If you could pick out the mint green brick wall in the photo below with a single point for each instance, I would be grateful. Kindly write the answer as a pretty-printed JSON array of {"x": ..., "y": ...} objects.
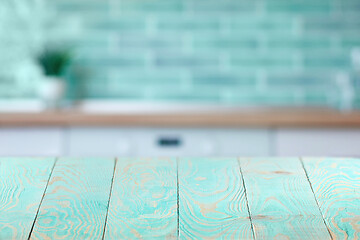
[{"x": 270, "y": 52}]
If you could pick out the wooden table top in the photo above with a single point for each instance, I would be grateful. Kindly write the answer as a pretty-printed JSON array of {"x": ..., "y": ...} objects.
[{"x": 186, "y": 198}]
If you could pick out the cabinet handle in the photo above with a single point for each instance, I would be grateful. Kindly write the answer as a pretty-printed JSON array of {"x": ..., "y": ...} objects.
[{"x": 169, "y": 142}]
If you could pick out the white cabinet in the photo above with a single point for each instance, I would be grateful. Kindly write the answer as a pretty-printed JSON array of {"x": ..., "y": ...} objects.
[
  {"x": 177, "y": 142},
  {"x": 34, "y": 142},
  {"x": 317, "y": 142},
  {"x": 163, "y": 142}
]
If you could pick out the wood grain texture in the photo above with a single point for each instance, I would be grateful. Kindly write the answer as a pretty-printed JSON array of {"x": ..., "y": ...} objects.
[
  {"x": 76, "y": 201},
  {"x": 143, "y": 202},
  {"x": 281, "y": 203},
  {"x": 22, "y": 185},
  {"x": 336, "y": 185},
  {"x": 212, "y": 202}
]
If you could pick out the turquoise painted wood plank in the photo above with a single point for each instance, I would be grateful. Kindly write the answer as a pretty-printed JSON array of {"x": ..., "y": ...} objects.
[
  {"x": 336, "y": 185},
  {"x": 22, "y": 185},
  {"x": 143, "y": 202},
  {"x": 281, "y": 202},
  {"x": 212, "y": 200},
  {"x": 76, "y": 200}
]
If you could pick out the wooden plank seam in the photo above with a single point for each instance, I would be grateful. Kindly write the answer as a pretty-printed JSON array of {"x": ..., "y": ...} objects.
[
  {"x": 178, "y": 198},
  {"x": 316, "y": 200},
  {"x": 42, "y": 198},
  {"x": 246, "y": 198},
  {"x": 108, "y": 205}
]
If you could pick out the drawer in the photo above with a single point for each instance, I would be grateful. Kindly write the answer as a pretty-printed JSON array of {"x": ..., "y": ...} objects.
[
  {"x": 203, "y": 142},
  {"x": 175, "y": 143},
  {"x": 318, "y": 142},
  {"x": 167, "y": 142},
  {"x": 31, "y": 141}
]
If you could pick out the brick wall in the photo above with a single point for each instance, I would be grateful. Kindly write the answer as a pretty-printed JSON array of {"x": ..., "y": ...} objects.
[{"x": 272, "y": 52}]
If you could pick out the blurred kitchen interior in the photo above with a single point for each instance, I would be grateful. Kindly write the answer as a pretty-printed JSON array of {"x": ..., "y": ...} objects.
[{"x": 179, "y": 78}]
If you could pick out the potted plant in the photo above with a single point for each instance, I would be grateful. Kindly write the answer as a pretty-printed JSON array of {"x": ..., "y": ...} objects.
[{"x": 53, "y": 63}]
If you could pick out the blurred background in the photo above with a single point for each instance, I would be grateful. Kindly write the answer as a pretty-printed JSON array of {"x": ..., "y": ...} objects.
[{"x": 77, "y": 55}]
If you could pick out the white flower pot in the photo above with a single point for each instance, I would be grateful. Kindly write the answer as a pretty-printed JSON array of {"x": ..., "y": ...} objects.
[{"x": 52, "y": 91}]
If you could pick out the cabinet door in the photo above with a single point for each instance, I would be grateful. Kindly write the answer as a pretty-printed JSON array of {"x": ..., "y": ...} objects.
[
  {"x": 99, "y": 142},
  {"x": 318, "y": 142},
  {"x": 21, "y": 141},
  {"x": 243, "y": 142}
]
